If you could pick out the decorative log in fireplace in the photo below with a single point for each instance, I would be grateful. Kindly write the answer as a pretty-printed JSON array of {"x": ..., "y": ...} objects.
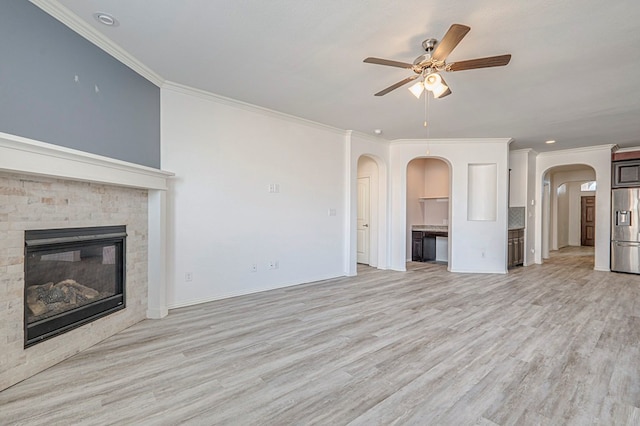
[{"x": 72, "y": 276}]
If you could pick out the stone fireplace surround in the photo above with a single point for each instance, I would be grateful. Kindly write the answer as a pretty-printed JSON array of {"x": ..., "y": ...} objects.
[{"x": 47, "y": 186}]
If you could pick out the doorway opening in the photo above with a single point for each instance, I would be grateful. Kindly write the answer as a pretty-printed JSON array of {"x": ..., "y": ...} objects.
[
  {"x": 367, "y": 217},
  {"x": 569, "y": 207},
  {"x": 428, "y": 211}
]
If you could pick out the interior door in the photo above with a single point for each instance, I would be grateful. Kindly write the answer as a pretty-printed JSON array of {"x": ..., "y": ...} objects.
[
  {"x": 588, "y": 220},
  {"x": 363, "y": 220}
]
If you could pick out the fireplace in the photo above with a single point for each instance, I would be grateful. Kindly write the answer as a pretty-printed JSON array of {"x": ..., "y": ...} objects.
[{"x": 72, "y": 276}]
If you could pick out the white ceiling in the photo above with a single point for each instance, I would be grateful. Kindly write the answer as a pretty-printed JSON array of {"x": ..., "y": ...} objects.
[{"x": 573, "y": 76}]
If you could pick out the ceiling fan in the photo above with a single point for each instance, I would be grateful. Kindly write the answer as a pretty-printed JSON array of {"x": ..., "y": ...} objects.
[{"x": 429, "y": 64}]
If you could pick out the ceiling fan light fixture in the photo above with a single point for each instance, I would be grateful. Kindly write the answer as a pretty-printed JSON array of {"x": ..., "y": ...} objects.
[
  {"x": 417, "y": 89},
  {"x": 441, "y": 92},
  {"x": 433, "y": 83},
  {"x": 432, "y": 80}
]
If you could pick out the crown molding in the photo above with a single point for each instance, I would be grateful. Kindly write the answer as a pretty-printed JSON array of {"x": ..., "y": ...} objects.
[
  {"x": 606, "y": 147},
  {"x": 73, "y": 21},
  {"x": 203, "y": 94},
  {"x": 523, "y": 151},
  {"x": 628, "y": 149},
  {"x": 367, "y": 137},
  {"x": 505, "y": 141}
]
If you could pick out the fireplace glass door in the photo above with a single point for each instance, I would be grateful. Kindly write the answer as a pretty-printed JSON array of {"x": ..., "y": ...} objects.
[{"x": 72, "y": 276}]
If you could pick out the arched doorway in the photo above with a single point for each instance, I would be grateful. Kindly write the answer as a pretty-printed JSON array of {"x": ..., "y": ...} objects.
[
  {"x": 367, "y": 211},
  {"x": 597, "y": 158},
  {"x": 569, "y": 219},
  {"x": 428, "y": 210}
]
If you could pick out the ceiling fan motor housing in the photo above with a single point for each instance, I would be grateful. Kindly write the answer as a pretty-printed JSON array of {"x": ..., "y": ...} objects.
[{"x": 429, "y": 44}]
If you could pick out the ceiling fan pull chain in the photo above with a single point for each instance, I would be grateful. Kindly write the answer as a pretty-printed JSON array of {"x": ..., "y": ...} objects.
[
  {"x": 426, "y": 115},
  {"x": 426, "y": 111}
]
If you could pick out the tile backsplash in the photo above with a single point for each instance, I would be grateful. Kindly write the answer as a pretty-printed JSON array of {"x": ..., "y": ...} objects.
[{"x": 516, "y": 217}]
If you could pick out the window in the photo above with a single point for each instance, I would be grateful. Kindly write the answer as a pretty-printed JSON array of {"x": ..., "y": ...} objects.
[{"x": 588, "y": 186}]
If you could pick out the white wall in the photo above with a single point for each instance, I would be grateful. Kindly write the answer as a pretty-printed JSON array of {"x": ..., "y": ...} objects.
[
  {"x": 474, "y": 246},
  {"x": 436, "y": 211},
  {"x": 599, "y": 159},
  {"x": 222, "y": 219},
  {"x": 518, "y": 175},
  {"x": 436, "y": 178},
  {"x": 562, "y": 221}
]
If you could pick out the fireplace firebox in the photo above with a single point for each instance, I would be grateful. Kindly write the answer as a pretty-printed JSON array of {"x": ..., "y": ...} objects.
[{"x": 72, "y": 276}]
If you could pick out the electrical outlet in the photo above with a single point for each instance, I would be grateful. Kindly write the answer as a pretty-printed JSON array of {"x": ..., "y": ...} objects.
[
  {"x": 273, "y": 264},
  {"x": 253, "y": 268},
  {"x": 274, "y": 188},
  {"x": 188, "y": 276}
]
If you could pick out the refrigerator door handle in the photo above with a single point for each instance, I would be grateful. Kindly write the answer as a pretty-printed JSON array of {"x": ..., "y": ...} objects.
[{"x": 626, "y": 244}]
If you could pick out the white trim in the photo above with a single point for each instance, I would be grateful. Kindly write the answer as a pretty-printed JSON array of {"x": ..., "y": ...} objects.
[
  {"x": 576, "y": 150},
  {"x": 23, "y": 155},
  {"x": 523, "y": 151},
  {"x": 369, "y": 138},
  {"x": 488, "y": 271},
  {"x": 244, "y": 293},
  {"x": 630, "y": 149},
  {"x": 73, "y": 21},
  {"x": 449, "y": 141},
  {"x": 203, "y": 94},
  {"x": 157, "y": 255}
]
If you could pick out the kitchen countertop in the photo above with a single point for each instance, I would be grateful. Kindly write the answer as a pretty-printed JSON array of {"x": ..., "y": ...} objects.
[
  {"x": 445, "y": 228},
  {"x": 430, "y": 228}
]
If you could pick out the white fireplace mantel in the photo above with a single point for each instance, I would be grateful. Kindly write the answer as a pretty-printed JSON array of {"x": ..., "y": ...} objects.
[{"x": 27, "y": 156}]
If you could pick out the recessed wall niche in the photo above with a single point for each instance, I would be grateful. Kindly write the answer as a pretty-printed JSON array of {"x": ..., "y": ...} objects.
[{"x": 482, "y": 195}]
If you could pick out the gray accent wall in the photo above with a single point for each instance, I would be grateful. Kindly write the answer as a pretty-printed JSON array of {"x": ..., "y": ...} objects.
[{"x": 57, "y": 87}]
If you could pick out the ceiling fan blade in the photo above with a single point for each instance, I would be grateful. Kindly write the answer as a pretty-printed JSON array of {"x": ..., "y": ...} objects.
[
  {"x": 450, "y": 40},
  {"x": 491, "y": 61},
  {"x": 395, "y": 86},
  {"x": 388, "y": 62}
]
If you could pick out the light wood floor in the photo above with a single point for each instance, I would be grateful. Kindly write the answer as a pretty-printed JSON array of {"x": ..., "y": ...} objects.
[{"x": 551, "y": 344}]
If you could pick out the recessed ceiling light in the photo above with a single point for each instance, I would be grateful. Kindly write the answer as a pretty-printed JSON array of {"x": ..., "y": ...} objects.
[
  {"x": 378, "y": 132},
  {"x": 106, "y": 19},
  {"x": 550, "y": 142}
]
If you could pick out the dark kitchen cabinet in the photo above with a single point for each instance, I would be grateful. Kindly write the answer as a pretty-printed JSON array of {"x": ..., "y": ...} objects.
[
  {"x": 428, "y": 247},
  {"x": 515, "y": 247},
  {"x": 626, "y": 174},
  {"x": 416, "y": 252},
  {"x": 424, "y": 245}
]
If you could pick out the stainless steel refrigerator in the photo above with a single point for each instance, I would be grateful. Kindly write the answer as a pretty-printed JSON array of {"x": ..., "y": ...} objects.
[{"x": 625, "y": 230}]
